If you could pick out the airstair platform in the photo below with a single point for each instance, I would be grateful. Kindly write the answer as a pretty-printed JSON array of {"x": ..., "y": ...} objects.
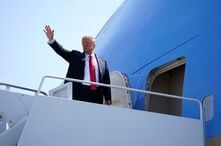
[{"x": 56, "y": 122}]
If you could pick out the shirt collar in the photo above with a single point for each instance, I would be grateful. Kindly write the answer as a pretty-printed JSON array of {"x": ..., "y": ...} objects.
[{"x": 87, "y": 55}]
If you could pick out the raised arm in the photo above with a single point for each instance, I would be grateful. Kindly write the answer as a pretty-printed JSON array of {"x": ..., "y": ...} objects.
[{"x": 55, "y": 45}]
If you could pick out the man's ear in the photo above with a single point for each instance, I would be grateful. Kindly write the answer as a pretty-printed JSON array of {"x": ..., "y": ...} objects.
[{"x": 94, "y": 45}]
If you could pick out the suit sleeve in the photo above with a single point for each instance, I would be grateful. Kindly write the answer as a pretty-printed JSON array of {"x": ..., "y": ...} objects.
[
  {"x": 61, "y": 51},
  {"x": 107, "y": 90}
]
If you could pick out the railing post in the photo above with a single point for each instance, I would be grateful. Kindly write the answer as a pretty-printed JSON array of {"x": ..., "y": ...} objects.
[{"x": 7, "y": 88}]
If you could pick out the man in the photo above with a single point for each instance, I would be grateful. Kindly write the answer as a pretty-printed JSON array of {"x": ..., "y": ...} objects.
[{"x": 85, "y": 66}]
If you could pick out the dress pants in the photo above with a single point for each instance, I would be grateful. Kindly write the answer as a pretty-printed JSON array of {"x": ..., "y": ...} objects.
[{"x": 88, "y": 95}]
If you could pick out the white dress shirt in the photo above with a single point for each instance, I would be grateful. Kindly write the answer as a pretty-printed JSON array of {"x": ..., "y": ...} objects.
[{"x": 87, "y": 69}]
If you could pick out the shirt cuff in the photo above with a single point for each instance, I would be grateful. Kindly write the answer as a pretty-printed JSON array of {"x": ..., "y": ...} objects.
[{"x": 51, "y": 41}]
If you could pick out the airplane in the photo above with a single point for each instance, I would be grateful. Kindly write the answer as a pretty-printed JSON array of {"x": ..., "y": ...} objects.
[
  {"x": 153, "y": 49},
  {"x": 171, "y": 47}
]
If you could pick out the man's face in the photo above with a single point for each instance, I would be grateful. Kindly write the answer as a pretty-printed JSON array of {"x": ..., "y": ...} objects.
[{"x": 88, "y": 44}]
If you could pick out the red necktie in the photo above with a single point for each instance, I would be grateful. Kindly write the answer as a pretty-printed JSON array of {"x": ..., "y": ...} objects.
[{"x": 92, "y": 72}]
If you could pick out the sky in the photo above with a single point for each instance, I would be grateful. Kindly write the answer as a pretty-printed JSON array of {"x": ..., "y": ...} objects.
[{"x": 25, "y": 56}]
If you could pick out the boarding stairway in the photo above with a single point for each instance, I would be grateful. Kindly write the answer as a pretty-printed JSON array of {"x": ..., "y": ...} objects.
[{"x": 54, "y": 121}]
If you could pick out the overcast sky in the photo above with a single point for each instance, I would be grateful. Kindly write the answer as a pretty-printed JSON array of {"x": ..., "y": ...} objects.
[{"x": 25, "y": 56}]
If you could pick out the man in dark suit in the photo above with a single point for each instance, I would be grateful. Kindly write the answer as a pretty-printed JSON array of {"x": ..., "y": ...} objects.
[{"x": 85, "y": 66}]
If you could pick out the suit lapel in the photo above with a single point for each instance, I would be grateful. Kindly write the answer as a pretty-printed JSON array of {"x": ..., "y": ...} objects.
[{"x": 99, "y": 63}]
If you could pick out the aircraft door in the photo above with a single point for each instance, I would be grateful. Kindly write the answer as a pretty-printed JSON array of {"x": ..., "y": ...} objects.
[{"x": 120, "y": 97}]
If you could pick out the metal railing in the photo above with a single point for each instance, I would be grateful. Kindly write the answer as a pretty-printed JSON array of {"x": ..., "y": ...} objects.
[
  {"x": 125, "y": 88},
  {"x": 22, "y": 88}
]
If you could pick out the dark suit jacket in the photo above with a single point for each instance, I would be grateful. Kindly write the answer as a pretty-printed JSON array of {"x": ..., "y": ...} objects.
[{"x": 76, "y": 61}]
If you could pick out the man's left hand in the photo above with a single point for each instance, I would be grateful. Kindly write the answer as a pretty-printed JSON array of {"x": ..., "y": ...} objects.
[{"x": 107, "y": 102}]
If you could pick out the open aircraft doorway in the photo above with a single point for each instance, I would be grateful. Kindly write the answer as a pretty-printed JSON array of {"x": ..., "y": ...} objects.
[{"x": 167, "y": 79}]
